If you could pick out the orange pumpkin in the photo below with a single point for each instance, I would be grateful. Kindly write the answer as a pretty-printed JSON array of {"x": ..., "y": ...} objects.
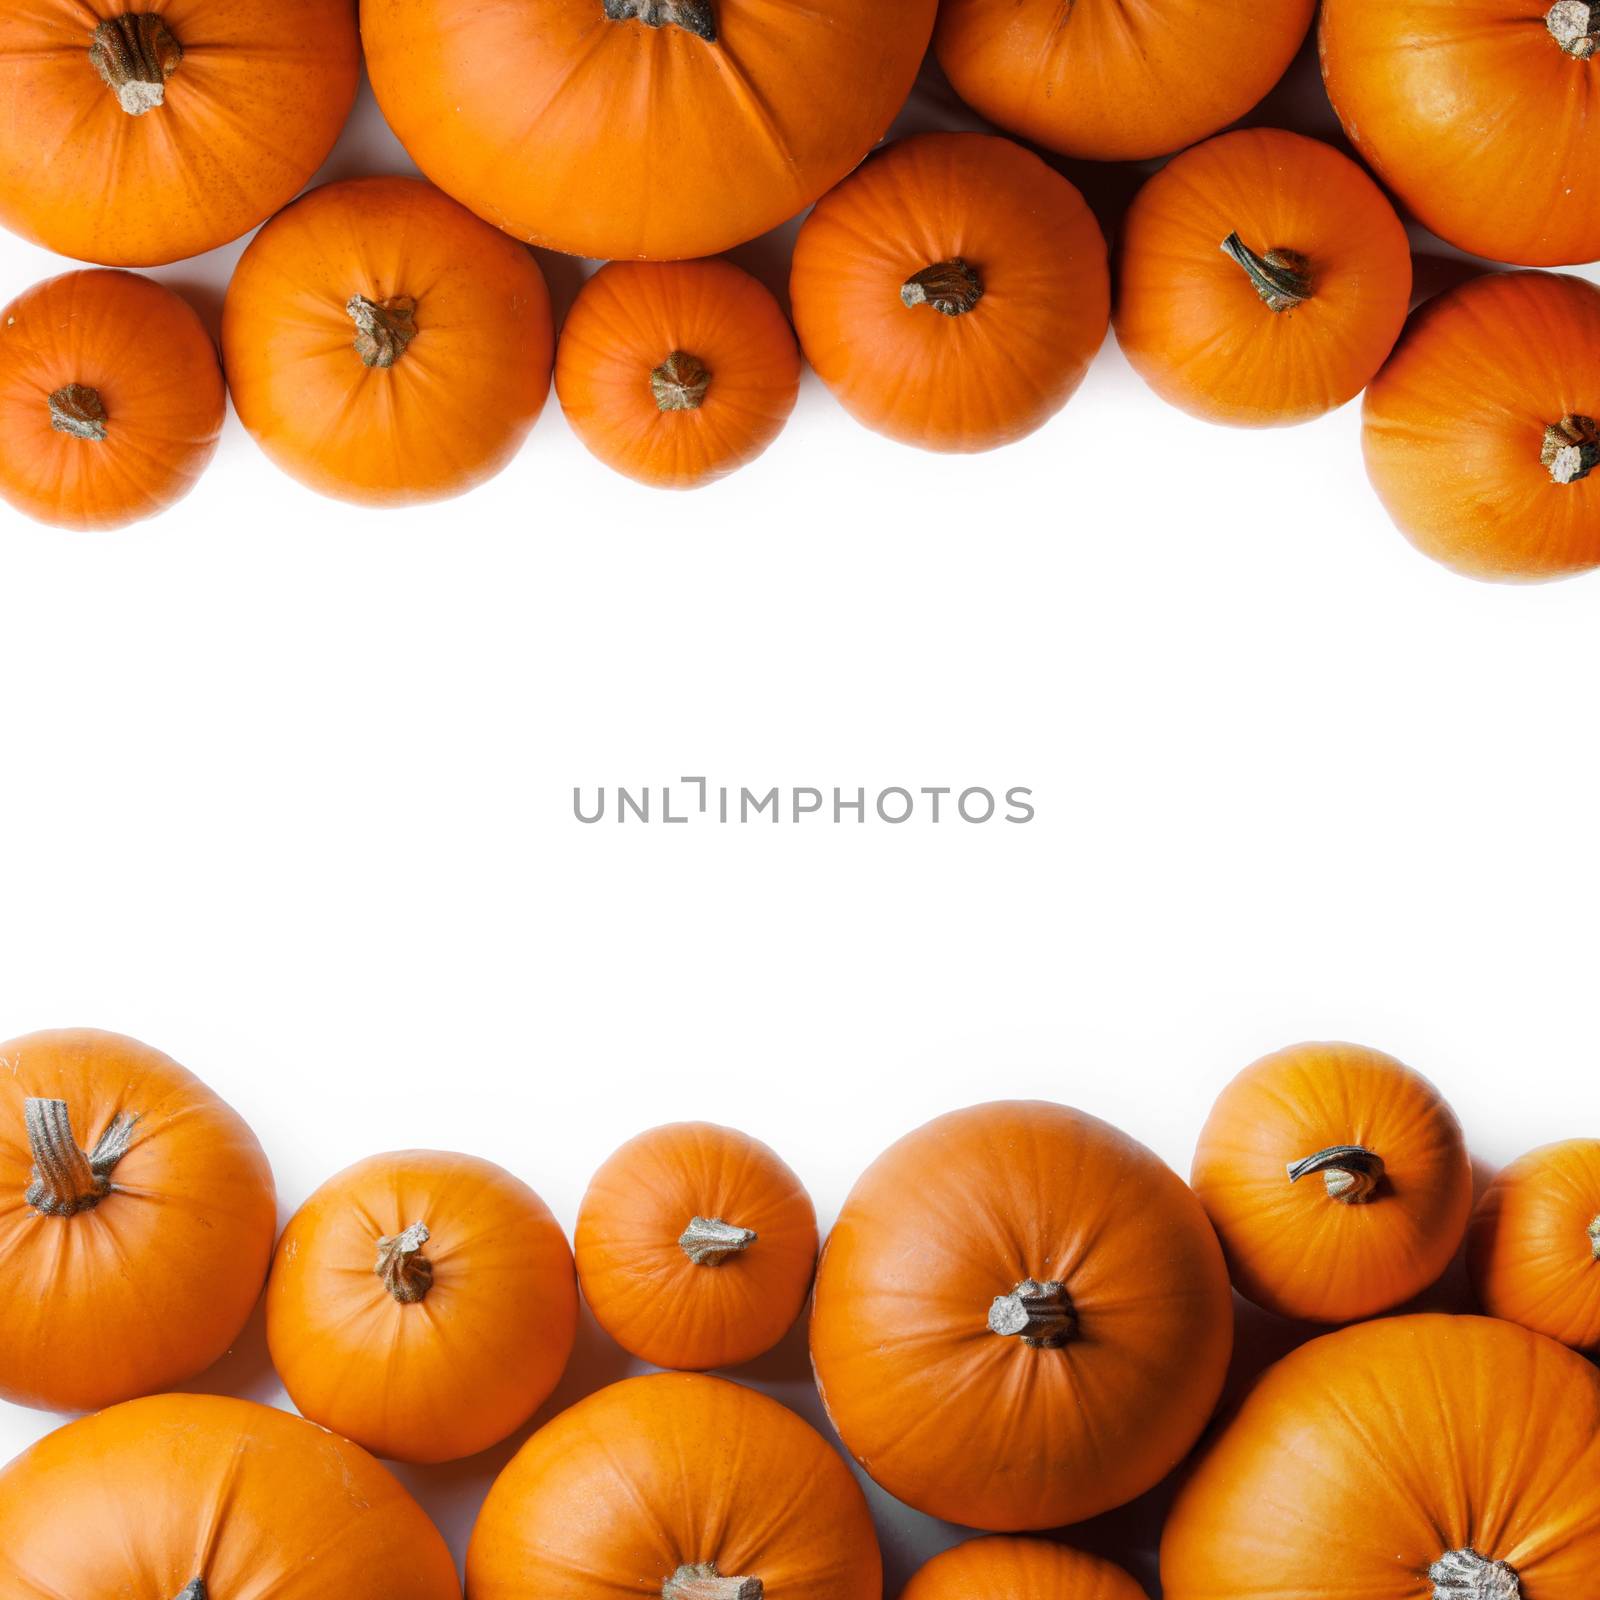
[
  {"x": 677, "y": 1485},
  {"x": 1481, "y": 115},
  {"x": 1480, "y": 433},
  {"x": 652, "y": 129},
  {"x": 1533, "y": 1246},
  {"x": 676, "y": 373},
  {"x": 1117, "y": 80},
  {"x": 953, "y": 292},
  {"x": 1263, "y": 279},
  {"x": 138, "y": 132},
  {"x": 195, "y": 1497},
  {"x": 422, "y": 1304},
  {"x": 384, "y": 346},
  {"x": 1021, "y": 1319},
  {"x": 136, "y": 1221},
  {"x": 1001, "y": 1568},
  {"x": 1455, "y": 1457},
  {"x": 1336, "y": 1179},
  {"x": 111, "y": 400},
  {"x": 695, "y": 1246}
]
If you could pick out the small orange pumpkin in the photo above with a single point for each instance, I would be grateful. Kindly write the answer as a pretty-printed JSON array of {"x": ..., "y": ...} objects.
[
  {"x": 111, "y": 400},
  {"x": 696, "y": 1246},
  {"x": 1008, "y": 1568},
  {"x": 1337, "y": 1180},
  {"x": 422, "y": 1304}
]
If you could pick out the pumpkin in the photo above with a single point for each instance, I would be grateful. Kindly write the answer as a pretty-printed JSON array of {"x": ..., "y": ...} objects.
[
  {"x": 1533, "y": 1245},
  {"x": 1480, "y": 433},
  {"x": 1117, "y": 80},
  {"x": 1007, "y": 1568},
  {"x": 196, "y": 1497},
  {"x": 111, "y": 400},
  {"x": 1021, "y": 1319},
  {"x": 677, "y": 1485},
  {"x": 421, "y": 1304},
  {"x": 1263, "y": 278},
  {"x": 1337, "y": 1180},
  {"x": 652, "y": 129},
  {"x": 676, "y": 373},
  {"x": 695, "y": 1246},
  {"x": 952, "y": 292},
  {"x": 1451, "y": 1457},
  {"x": 139, "y": 132},
  {"x": 1480, "y": 115},
  {"x": 384, "y": 346},
  {"x": 136, "y": 1221}
]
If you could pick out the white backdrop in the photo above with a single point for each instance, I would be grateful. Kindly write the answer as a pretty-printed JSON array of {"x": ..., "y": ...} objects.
[{"x": 289, "y": 795}]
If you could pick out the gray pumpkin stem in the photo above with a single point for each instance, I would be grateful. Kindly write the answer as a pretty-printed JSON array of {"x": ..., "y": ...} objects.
[
  {"x": 1350, "y": 1173},
  {"x": 78, "y": 410},
  {"x": 194, "y": 1589},
  {"x": 1571, "y": 448},
  {"x": 407, "y": 1275},
  {"x": 1594, "y": 1237},
  {"x": 951, "y": 287},
  {"x": 709, "y": 1241},
  {"x": 1039, "y": 1313},
  {"x": 680, "y": 382},
  {"x": 66, "y": 1180},
  {"x": 1575, "y": 26},
  {"x": 693, "y": 16},
  {"x": 1465, "y": 1575},
  {"x": 135, "y": 54},
  {"x": 383, "y": 327},
  {"x": 700, "y": 1580},
  {"x": 1279, "y": 277}
]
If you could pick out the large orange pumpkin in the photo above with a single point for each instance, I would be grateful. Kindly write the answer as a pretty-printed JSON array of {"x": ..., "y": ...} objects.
[
  {"x": 422, "y": 1304},
  {"x": 1483, "y": 116},
  {"x": 111, "y": 400},
  {"x": 641, "y": 128},
  {"x": 696, "y": 1246},
  {"x": 1117, "y": 80},
  {"x": 1002, "y": 1568},
  {"x": 1022, "y": 1318},
  {"x": 677, "y": 1485},
  {"x": 1533, "y": 1246},
  {"x": 138, "y": 132},
  {"x": 1451, "y": 1457},
  {"x": 1481, "y": 433},
  {"x": 1263, "y": 278},
  {"x": 195, "y": 1497},
  {"x": 136, "y": 1221},
  {"x": 384, "y": 346},
  {"x": 1337, "y": 1180},
  {"x": 953, "y": 292}
]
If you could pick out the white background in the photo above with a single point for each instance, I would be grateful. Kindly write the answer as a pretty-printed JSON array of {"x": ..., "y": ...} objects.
[{"x": 288, "y": 794}]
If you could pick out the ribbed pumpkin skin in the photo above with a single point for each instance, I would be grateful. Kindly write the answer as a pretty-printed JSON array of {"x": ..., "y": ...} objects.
[
  {"x": 454, "y": 1372},
  {"x": 643, "y": 1288},
  {"x": 1002, "y": 1568},
  {"x": 152, "y": 1284},
  {"x": 979, "y": 1428},
  {"x": 144, "y": 351},
  {"x": 1530, "y": 1249},
  {"x": 654, "y": 1473},
  {"x": 1293, "y": 1248},
  {"x": 1193, "y": 325},
  {"x": 1452, "y": 426},
  {"x": 1363, "y": 1457},
  {"x": 1117, "y": 80},
  {"x": 251, "y": 112},
  {"x": 1481, "y": 124},
  {"x": 620, "y": 141},
  {"x": 139, "y": 1501},
  {"x": 988, "y": 376}
]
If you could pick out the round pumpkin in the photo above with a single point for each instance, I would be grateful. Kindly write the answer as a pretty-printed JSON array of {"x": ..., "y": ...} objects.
[
  {"x": 1482, "y": 116},
  {"x": 1456, "y": 1457},
  {"x": 422, "y": 1304},
  {"x": 139, "y": 132},
  {"x": 677, "y": 1485},
  {"x": 136, "y": 1221},
  {"x": 953, "y": 292},
  {"x": 1117, "y": 80},
  {"x": 1263, "y": 278},
  {"x": 696, "y": 1246},
  {"x": 1337, "y": 1180},
  {"x": 111, "y": 400},
  {"x": 1009, "y": 1568},
  {"x": 654, "y": 129},
  {"x": 1533, "y": 1245},
  {"x": 196, "y": 1497},
  {"x": 1021, "y": 1319},
  {"x": 1481, "y": 433},
  {"x": 384, "y": 346},
  {"x": 676, "y": 373}
]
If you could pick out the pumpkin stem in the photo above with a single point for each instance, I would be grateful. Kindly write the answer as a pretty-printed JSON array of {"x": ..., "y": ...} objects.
[
  {"x": 1571, "y": 448},
  {"x": 1040, "y": 1312},
  {"x": 700, "y": 1580},
  {"x": 65, "y": 1179},
  {"x": 709, "y": 1241},
  {"x": 1280, "y": 277},
  {"x": 680, "y": 382},
  {"x": 78, "y": 410},
  {"x": 194, "y": 1589},
  {"x": 1349, "y": 1172},
  {"x": 1465, "y": 1575},
  {"x": 1594, "y": 1237},
  {"x": 693, "y": 16},
  {"x": 1575, "y": 26},
  {"x": 383, "y": 327},
  {"x": 950, "y": 287},
  {"x": 135, "y": 54},
  {"x": 406, "y": 1275}
]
